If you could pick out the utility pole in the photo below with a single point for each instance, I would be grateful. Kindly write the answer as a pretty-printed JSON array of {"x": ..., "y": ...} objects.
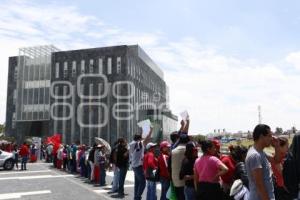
[{"x": 259, "y": 115}]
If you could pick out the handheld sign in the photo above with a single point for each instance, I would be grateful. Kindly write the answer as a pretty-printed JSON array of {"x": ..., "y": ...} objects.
[
  {"x": 184, "y": 115},
  {"x": 145, "y": 125}
]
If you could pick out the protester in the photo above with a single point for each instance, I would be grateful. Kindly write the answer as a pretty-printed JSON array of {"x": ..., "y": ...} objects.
[
  {"x": 16, "y": 156},
  {"x": 96, "y": 164},
  {"x": 207, "y": 171},
  {"x": 150, "y": 166},
  {"x": 49, "y": 151},
  {"x": 73, "y": 158},
  {"x": 164, "y": 174},
  {"x": 187, "y": 170},
  {"x": 59, "y": 157},
  {"x": 102, "y": 166},
  {"x": 81, "y": 158},
  {"x": 257, "y": 165},
  {"x": 122, "y": 162},
  {"x": 65, "y": 157},
  {"x": 116, "y": 170},
  {"x": 136, "y": 149},
  {"x": 239, "y": 189},
  {"x": 177, "y": 156},
  {"x": 24, "y": 153},
  {"x": 291, "y": 168},
  {"x": 239, "y": 154},
  {"x": 281, "y": 148},
  {"x": 227, "y": 179},
  {"x": 91, "y": 160},
  {"x": 217, "y": 145}
]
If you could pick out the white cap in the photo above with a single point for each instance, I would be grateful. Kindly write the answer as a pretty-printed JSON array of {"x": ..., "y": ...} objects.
[{"x": 149, "y": 145}]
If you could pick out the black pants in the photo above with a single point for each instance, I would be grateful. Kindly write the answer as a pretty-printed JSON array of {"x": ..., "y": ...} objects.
[
  {"x": 179, "y": 191},
  {"x": 209, "y": 191},
  {"x": 65, "y": 163},
  {"x": 281, "y": 194},
  {"x": 122, "y": 177}
]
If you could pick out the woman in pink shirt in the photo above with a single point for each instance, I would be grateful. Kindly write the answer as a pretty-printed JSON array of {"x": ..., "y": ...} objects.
[{"x": 207, "y": 170}]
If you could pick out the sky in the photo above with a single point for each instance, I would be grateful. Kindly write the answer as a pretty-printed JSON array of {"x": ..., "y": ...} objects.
[{"x": 221, "y": 59}]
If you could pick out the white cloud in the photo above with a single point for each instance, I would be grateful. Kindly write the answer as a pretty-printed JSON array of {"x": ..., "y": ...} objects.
[
  {"x": 294, "y": 59},
  {"x": 219, "y": 91}
]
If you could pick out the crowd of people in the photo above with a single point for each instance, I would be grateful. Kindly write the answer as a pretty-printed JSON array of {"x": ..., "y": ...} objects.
[
  {"x": 22, "y": 153},
  {"x": 186, "y": 169}
]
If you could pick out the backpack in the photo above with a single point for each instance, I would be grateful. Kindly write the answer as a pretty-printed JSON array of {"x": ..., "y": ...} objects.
[{"x": 290, "y": 175}]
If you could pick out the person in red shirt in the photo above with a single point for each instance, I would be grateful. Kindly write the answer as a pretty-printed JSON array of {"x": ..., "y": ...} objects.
[
  {"x": 163, "y": 168},
  {"x": 217, "y": 145},
  {"x": 24, "y": 153},
  {"x": 150, "y": 166},
  {"x": 227, "y": 179},
  {"x": 281, "y": 145}
]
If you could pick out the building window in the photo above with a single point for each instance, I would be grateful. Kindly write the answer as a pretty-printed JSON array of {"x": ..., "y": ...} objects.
[
  {"x": 82, "y": 66},
  {"x": 13, "y": 125},
  {"x": 57, "y": 70},
  {"x": 118, "y": 65},
  {"x": 91, "y": 66},
  {"x": 15, "y": 96},
  {"x": 100, "y": 66},
  {"x": 134, "y": 75},
  {"x": 65, "y": 69},
  {"x": 16, "y": 73},
  {"x": 128, "y": 66},
  {"x": 74, "y": 68},
  {"x": 109, "y": 67}
]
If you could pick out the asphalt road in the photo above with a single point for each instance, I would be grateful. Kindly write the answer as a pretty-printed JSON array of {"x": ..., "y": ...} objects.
[{"x": 41, "y": 181}]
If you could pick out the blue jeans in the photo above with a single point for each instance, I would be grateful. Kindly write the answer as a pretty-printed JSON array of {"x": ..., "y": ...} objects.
[
  {"x": 102, "y": 175},
  {"x": 123, "y": 172},
  {"x": 151, "y": 190},
  {"x": 115, "y": 184},
  {"x": 165, "y": 184},
  {"x": 189, "y": 193},
  {"x": 24, "y": 162},
  {"x": 88, "y": 174},
  {"x": 139, "y": 182}
]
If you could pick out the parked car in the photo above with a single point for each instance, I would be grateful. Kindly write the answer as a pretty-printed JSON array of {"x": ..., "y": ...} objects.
[{"x": 6, "y": 160}]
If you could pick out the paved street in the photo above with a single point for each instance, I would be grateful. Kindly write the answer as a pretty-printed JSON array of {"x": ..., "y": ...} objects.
[{"x": 41, "y": 181}]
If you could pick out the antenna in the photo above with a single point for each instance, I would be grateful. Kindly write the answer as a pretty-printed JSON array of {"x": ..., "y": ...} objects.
[{"x": 259, "y": 115}]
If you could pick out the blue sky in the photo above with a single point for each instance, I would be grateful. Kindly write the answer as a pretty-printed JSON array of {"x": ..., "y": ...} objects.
[
  {"x": 262, "y": 29},
  {"x": 221, "y": 59}
]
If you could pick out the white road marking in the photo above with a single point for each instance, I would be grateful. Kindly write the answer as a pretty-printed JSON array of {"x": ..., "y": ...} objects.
[
  {"x": 18, "y": 195},
  {"x": 24, "y": 172},
  {"x": 35, "y": 177},
  {"x": 84, "y": 186}
]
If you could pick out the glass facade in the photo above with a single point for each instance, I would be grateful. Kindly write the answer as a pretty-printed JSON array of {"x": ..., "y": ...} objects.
[{"x": 32, "y": 98}]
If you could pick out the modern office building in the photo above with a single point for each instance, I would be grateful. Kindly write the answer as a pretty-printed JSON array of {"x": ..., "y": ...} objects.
[{"x": 87, "y": 93}]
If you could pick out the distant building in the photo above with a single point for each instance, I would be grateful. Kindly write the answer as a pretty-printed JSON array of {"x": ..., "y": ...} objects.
[{"x": 82, "y": 94}]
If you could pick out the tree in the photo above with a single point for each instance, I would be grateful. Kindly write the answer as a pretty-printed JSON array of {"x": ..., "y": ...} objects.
[
  {"x": 199, "y": 137},
  {"x": 2, "y": 128},
  {"x": 294, "y": 130},
  {"x": 278, "y": 131}
]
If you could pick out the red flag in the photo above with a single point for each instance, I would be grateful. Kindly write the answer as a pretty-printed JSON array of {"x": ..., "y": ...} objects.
[{"x": 55, "y": 140}]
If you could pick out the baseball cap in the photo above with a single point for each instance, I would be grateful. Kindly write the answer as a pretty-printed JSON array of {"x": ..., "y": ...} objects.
[
  {"x": 150, "y": 144},
  {"x": 164, "y": 144}
]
